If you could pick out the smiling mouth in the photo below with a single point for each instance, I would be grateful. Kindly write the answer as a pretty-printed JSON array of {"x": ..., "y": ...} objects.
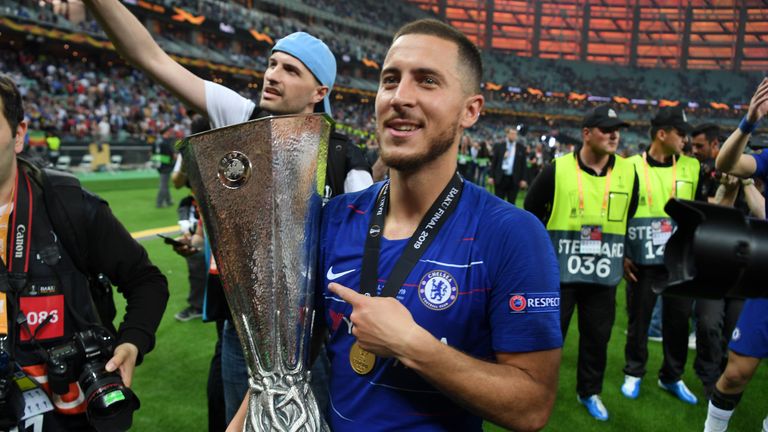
[{"x": 404, "y": 128}]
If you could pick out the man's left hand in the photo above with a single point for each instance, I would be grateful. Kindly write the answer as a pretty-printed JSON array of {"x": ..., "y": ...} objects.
[
  {"x": 382, "y": 325},
  {"x": 124, "y": 359}
]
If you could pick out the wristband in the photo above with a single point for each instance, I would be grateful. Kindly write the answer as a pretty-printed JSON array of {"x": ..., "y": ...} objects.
[
  {"x": 746, "y": 127},
  {"x": 747, "y": 182}
]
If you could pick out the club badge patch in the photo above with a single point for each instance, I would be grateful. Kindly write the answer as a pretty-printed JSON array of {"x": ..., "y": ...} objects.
[{"x": 438, "y": 290}]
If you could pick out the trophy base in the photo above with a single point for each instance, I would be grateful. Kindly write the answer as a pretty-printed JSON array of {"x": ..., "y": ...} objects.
[{"x": 285, "y": 406}]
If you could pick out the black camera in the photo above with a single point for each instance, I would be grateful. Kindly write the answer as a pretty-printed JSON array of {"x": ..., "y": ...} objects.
[
  {"x": 110, "y": 404},
  {"x": 715, "y": 252}
]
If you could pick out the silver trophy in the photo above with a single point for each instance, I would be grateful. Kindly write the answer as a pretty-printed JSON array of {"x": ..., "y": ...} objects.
[{"x": 259, "y": 187}]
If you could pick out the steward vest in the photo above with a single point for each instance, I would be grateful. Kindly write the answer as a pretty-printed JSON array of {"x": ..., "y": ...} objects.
[
  {"x": 589, "y": 238},
  {"x": 651, "y": 227}
]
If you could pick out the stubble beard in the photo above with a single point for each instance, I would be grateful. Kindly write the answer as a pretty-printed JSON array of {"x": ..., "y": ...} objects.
[{"x": 436, "y": 148}]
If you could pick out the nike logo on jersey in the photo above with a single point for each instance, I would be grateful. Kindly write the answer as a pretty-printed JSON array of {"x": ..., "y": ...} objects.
[{"x": 333, "y": 276}]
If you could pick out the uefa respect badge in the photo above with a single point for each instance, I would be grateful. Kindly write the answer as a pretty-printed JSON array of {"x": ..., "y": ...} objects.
[{"x": 534, "y": 302}]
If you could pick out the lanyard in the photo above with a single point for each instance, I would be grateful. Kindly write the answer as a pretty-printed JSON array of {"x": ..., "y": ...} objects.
[
  {"x": 430, "y": 225},
  {"x": 673, "y": 190},
  {"x": 581, "y": 188},
  {"x": 13, "y": 278}
]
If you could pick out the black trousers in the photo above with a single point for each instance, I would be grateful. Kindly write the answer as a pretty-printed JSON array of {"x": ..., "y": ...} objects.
[
  {"x": 709, "y": 339},
  {"x": 597, "y": 312},
  {"x": 198, "y": 274},
  {"x": 715, "y": 321},
  {"x": 733, "y": 307},
  {"x": 675, "y": 314},
  {"x": 507, "y": 188}
]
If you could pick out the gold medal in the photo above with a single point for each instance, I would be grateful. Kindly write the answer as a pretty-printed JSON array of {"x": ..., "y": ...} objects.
[{"x": 361, "y": 360}]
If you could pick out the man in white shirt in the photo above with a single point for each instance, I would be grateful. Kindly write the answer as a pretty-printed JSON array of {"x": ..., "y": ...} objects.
[{"x": 298, "y": 80}]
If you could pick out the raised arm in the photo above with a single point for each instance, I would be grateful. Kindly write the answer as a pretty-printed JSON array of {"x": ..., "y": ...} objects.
[
  {"x": 731, "y": 158},
  {"x": 136, "y": 45}
]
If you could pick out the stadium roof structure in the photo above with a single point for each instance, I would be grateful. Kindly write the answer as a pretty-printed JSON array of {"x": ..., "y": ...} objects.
[{"x": 695, "y": 34}]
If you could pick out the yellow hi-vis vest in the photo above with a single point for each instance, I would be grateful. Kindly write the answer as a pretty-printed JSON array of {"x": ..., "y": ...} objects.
[
  {"x": 651, "y": 227},
  {"x": 590, "y": 244}
]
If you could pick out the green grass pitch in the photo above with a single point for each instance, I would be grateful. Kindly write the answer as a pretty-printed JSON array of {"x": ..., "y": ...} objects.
[{"x": 171, "y": 382}]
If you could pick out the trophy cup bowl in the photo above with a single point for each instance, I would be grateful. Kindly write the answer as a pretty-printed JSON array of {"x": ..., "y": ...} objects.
[{"x": 259, "y": 186}]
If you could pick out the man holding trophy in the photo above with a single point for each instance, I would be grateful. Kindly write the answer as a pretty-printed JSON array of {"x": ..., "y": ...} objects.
[
  {"x": 434, "y": 336},
  {"x": 457, "y": 314},
  {"x": 473, "y": 329}
]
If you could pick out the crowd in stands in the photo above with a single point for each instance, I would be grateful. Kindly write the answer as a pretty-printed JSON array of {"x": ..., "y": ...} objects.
[
  {"x": 564, "y": 77},
  {"x": 353, "y": 44},
  {"x": 111, "y": 102},
  {"x": 79, "y": 99}
]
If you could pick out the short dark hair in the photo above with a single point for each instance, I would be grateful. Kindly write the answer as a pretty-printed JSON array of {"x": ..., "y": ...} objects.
[
  {"x": 13, "y": 110},
  {"x": 469, "y": 55},
  {"x": 710, "y": 131},
  {"x": 656, "y": 129}
]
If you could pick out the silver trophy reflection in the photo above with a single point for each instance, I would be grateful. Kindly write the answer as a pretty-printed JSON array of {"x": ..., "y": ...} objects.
[{"x": 259, "y": 188}]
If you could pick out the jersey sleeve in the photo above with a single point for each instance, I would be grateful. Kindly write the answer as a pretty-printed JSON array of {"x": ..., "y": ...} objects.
[
  {"x": 226, "y": 107},
  {"x": 525, "y": 293},
  {"x": 761, "y": 165}
]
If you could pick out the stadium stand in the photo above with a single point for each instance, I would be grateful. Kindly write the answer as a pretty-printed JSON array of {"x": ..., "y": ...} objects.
[{"x": 71, "y": 82}]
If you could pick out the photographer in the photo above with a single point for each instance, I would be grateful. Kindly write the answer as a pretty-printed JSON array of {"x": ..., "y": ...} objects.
[
  {"x": 58, "y": 246},
  {"x": 749, "y": 343}
]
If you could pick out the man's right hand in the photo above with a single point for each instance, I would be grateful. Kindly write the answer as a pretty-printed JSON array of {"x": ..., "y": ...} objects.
[
  {"x": 758, "y": 106},
  {"x": 630, "y": 270}
]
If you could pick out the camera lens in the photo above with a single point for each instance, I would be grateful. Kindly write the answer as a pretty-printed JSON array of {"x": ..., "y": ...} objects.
[{"x": 110, "y": 403}]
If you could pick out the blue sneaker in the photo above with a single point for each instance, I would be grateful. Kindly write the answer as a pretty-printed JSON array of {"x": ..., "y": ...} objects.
[
  {"x": 679, "y": 389},
  {"x": 595, "y": 407},
  {"x": 631, "y": 387}
]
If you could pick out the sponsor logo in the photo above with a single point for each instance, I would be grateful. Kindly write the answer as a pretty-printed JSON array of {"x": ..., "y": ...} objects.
[
  {"x": 736, "y": 334},
  {"x": 47, "y": 289},
  {"x": 333, "y": 276},
  {"x": 18, "y": 248},
  {"x": 336, "y": 318},
  {"x": 517, "y": 303},
  {"x": 374, "y": 231},
  {"x": 438, "y": 290},
  {"x": 534, "y": 302}
]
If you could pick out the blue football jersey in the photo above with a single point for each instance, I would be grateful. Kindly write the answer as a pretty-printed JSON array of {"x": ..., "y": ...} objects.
[{"x": 488, "y": 283}]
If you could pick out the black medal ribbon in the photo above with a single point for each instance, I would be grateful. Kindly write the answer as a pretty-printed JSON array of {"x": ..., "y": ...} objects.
[{"x": 430, "y": 225}]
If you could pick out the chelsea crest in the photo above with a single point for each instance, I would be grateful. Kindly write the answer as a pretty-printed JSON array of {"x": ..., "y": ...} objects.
[{"x": 438, "y": 290}]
